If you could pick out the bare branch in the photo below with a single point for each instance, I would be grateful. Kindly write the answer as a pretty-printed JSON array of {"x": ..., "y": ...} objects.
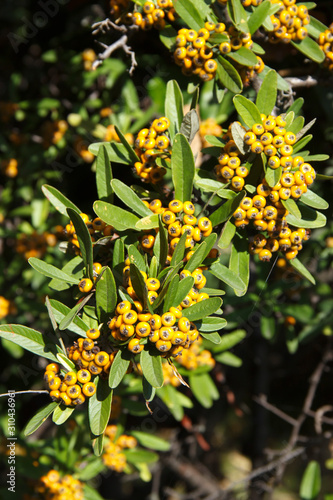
[
  {"x": 262, "y": 400},
  {"x": 23, "y": 392},
  {"x": 304, "y": 82}
]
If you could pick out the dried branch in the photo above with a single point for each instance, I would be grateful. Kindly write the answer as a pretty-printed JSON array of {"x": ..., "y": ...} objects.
[
  {"x": 262, "y": 400},
  {"x": 23, "y": 392},
  {"x": 105, "y": 26},
  {"x": 304, "y": 82}
]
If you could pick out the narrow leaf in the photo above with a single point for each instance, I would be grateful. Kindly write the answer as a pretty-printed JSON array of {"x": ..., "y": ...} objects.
[
  {"x": 297, "y": 264},
  {"x": 152, "y": 368},
  {"x": 58, "y": 200},
  {"x": 182, "y": 166},
  {"x": 228, "y": 75},
  {"x": 120, "y": 219},
  {"x": 84, "y": 240},
  {"x": 106, "y": 295},
  {"x": 129, "y": 198},
  {"x": 174, "y": 100},
  {"x": 258, "y": 17},
  {"x": 99, "y": 407},
  {"x": 31, "y": 340},
  {"x": 313, "y": 200},
  {"x": 266, "y": 97},
  {"x": 224, "y": 212},
  {"x": 37, "y": 420},
  {"x": 190, "y": 125},
  {"x": 103, "y": 175},
  {"x": 202, "y": 309},
  {"x": 119, "y": 368},
  {"x": 310, "y": 48},
  {"x": 247, "y": 110},
  {"x": 51, "y": 271}
]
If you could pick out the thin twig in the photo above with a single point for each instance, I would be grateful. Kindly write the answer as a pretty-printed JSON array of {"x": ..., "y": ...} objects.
[
  {"x": 262, "y": 400},
  {"x": 23, "y": 392}
]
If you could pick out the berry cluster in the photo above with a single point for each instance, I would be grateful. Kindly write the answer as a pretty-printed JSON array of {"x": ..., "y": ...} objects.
[
  {"x": 53, "y": 132},
  {"x": 289, "y": 22},
  {"x": 6, "y": 307},
  {"x": 170, "y": 333},
  {"x": 113, "y": 457},
  {"x": 88, "y": 58},
  {"x": 92, "y": 355},
  {"x": 231, "y": 167},
  {"x": 34, "y": 244},
  {"x": 9, "y": 167},
  {"x": 81, "y": 148},
  {"x": 152, "y": 143},
  {"x": 96, "y": 227},
  {"x": 248, "y": 3},
  {"x": 53, "y": 486},
  {"x": 179, "y": 218},
  {"x": 269, "y": 216},
  {"x": 325, "y": 42},
  {"x": 72, "y": 388},
  {"x": 111, "y": 135},
  {"x": 270, "y": 137},
  {"x": 153, "y": 16},
  {"x": 196, "y": 57},
  {"x": 209, "y": 127}
]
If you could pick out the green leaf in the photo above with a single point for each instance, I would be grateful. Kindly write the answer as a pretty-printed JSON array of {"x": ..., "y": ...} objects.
[
  {"x": 240, "y": 262},
  {"x": 268, "y": 327},
  {"x": 116, "y": 151},
  {"x": 148, "y": 390},
  {"x": 99, "y": 407},
  {"x": 74, "y": 267},
  {"x": 202, "y": 309},
  {"x": 178, "y": 254},
  {"x": 119, "y": 368},
  {"x": 311, "y": 482},
  {"x": 244, "y": 56},
  {"x": 168, "y": 37},
  {"x": 238, "y": 133},
  {"x": 247, "y": 110},
  {"x": 174, "y": 107},
  {"x": 213, "y": 337},
  {"x": 225, "y": 211},
  {"x": 282, "y": 84},
  {"x": 230, "y": 359},
  {"x": 103, "y": 175},
  {"x": 303, "y": 131},
  {"x": 189, "y": 13},
  {"x": 185, "y": 285},
  {"x": 51, "y": 271},
  {"x": 30, "y": 339},
  {"x": 98, "y": 445},
  {"x": 258, "y": 17},
  {"x": 150, "y": 222},
  {"x": 197, "y": 258},
  {"x": 211, "y": 324},
  {"x": 228, "y": 232},
  {"x": 151, "y": 441},
  {"x": 296, "y": 125},
  {"x": 226, "y": 275},
  {"x": 313, "y": 200},
  {"x": 182, "y": 167},
  {"x": 153, "y": 268},
  {"x": 310, "y": 218},
  {"x": 58, "y": 200},
  {"x": 292, "y": 207},
  {"x": 84, "y": 239},
  {"x": 266, "y": 97},
  {"x": 120, "y": 219},
  {"x": 315, "y": 27},
  {"x": 273, "y": 175},
  {"x": 136, "y": 455},
  {"x": 162, "y": 238},
  {"x": 130, "y": 151},
  {"x": 297, "y": 264},
  {"x": 60, "y": 311},
  {"x": 169, "y": 300},
  {"x": 310, "y": 49},
  {"x": 238, "y": 15},
  {"x": 136, "y": 258},
  {"x": 37, "y": 420},
  {"x": 152, "y": 368},
  {"x": 90, "y": 493},
  {"x": 65, "y": 362},
  {"x": 228, "y": 75},
  {"x": 203, "y": 389},
  {"x": 296, "y": 105},
  {"x": 229, "y": 340},
  {"x": 129, "y": 198},
  {"x": 139, "y": 285},
  {"x": 106, "y": 295},
  {"x": 302, "y": 143},
  {"x": 72, "y": 313},
  {"x": 190, "y": 125},
  {"x": 61, "y": 415}
]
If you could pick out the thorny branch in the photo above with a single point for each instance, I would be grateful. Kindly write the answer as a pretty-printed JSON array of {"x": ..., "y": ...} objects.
[{"x": 122, "y": 43}]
